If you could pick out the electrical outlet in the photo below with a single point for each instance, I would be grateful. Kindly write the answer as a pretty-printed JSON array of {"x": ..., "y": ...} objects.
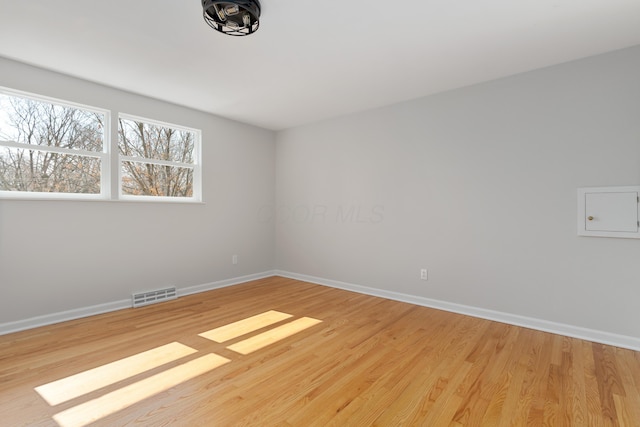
[
  {"x": 234, "y": 259},
  {"x": 424, "y": 274}
]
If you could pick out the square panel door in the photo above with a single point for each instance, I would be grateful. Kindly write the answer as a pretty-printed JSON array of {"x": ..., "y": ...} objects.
[
  {"x": 609, "y": 212},
  {"x": 614, "y": 212}
]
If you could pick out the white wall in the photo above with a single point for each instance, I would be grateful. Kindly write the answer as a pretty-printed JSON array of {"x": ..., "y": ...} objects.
[
  {"x": 68, "y": 255},
  {"x": 479, "y": 185}
]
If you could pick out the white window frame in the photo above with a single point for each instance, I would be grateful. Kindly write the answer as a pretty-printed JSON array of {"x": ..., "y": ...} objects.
[
  {"x": 104, "y": 156},
  {"x": 110, "y": 158},
  {"x": 196, "y": 165}
]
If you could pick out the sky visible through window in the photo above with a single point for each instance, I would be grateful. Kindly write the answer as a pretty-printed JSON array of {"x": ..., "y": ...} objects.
[{"x": 7, "y": 133}]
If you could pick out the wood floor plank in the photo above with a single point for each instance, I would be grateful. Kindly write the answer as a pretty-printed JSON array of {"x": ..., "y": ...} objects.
[
  {"x": 609, "y": 383},
  {"x": 363, "y": 361},
  {"x": 595, "y": 416},
  {"x": 630, "y": 381},
  {"x": 576, "y": 398}
]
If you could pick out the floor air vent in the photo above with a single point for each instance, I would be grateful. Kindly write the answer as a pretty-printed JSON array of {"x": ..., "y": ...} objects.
[{"x": 152, "y": 297}]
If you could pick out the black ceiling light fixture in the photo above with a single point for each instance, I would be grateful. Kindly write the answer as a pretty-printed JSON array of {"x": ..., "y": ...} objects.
[{"x": 232, "y": 17}]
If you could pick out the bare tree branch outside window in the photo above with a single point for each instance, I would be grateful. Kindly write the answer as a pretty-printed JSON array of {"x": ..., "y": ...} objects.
[
  {"x": 158, "y": 159},
  {"x": 32, "y": 127}
]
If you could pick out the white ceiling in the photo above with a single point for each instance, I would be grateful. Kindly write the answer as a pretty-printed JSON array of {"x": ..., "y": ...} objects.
[{"x": 310, "y": 60}]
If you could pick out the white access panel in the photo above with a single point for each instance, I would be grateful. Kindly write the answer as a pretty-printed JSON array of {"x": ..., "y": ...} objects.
[
  {"x": 609, "y": 212},
  {"x": 616, "y": 212}
]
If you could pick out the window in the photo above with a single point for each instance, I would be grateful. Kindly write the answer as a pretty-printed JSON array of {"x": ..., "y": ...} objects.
[
  {"x": 49, "y": 148},
  {"x": 157, "y": 159},
  {"x": 55, "y": 149}
]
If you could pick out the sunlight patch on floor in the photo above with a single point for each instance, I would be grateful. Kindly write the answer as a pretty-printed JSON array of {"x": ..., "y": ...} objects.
[
  {"x": 85, "y": 382},
  {"x": 274, "y": 335},
  {"x": 244, "y": 326},
  {"x": 93, "y": 410}
]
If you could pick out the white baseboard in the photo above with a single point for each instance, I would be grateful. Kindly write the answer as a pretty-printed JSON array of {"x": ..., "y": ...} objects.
[
  {"x": 602, "y": 337},
  {"x": 49, "y": 319},
  {"x": 63, "y": 316},
  {"x": 609, "y": 338},
  {"x": 224, "y": 283}
]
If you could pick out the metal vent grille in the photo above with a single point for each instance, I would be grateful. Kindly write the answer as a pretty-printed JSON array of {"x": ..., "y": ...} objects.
[{"x": 152, "y": 297}]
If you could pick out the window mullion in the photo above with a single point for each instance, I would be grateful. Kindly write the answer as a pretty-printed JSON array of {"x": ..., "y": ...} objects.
[
  {"x": 114, "y": 154},
  {"x": 156, "y": 162},
  {"x": 50, "y": 149}
]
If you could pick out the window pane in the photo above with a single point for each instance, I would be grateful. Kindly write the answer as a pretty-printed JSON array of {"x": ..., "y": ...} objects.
[
  {"x": 147, "y": 179},
  {"x": 35, "y": 170},
  {"x": 30, "y": 121},
  {"x": 150, "y": 141}
]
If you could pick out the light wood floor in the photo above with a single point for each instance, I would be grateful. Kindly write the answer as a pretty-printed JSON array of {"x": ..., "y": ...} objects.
[{"x": 308, "y": 355}]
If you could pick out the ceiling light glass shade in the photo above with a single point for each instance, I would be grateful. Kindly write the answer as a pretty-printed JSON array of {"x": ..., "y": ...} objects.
[{"x": 232, "y": 17}]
